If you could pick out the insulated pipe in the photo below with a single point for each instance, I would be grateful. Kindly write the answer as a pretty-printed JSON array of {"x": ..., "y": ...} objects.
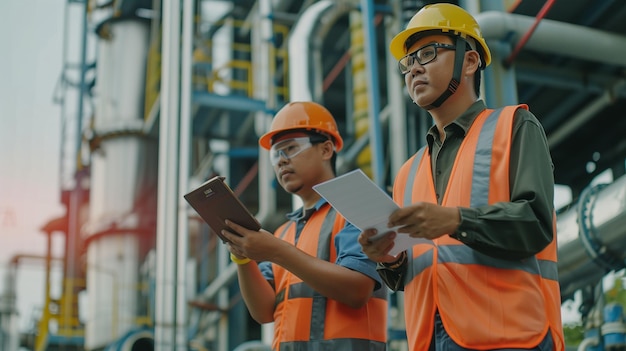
[
  {"x": 185, "y": 132},
  {"x": 371, "y": 59},
  {"x": 305, "y": 43},
  {"x": 520, "y": 44},
  {"x": 262, "y": 39},
  {"x": 304, "y": 49},
  {"x": 396, "y": 106},
  {"x": 305, "y": 70},
  {"x": 555, "y": 37},
  {"x": 592, "y": 237},
  {"x": 167, "y": 203},
  {"x": 562, "y": 39}
]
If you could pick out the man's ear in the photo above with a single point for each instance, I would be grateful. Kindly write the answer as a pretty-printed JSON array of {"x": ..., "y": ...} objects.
[
  {"x": 472, "y": 62},
  {"x": 329, "y": 148}
]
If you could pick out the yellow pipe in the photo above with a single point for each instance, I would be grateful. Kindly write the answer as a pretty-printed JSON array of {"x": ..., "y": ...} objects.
[{"x": 359, "y": 90}]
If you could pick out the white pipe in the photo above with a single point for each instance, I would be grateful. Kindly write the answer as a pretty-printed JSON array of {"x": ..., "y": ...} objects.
[
  {"x": 592, "y": 341},
  {"x": 559, "y": 38},
  {"x": 305, "y": 43},
  {"x": 136, "y": 340},
  {"x": 396, "y": 106},
  {"x": 183, "y": 175},
  {"x": 563, "y": 39},
  {"x": 606, "y": 211},
  {"x": 262, "y": 40},
  {"x": 167, "y": 203}
]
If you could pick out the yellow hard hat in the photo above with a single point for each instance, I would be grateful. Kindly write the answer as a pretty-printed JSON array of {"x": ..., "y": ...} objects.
[
  {"x": 306, "y": 116},
  {"x": 446, "y": 18}
]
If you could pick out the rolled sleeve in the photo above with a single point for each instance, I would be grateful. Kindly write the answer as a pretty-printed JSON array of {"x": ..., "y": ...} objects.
[
  {"x": 266, "y": 270},
  {"x": 350, "y": 254}
]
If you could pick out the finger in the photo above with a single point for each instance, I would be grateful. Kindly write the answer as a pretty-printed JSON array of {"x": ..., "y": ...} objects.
[
  {"x": 365, "y": 235},
  {"x": 232, "y": 238},
  {"x": 388, "y": 248},
  {"x": 400, "y": 213},
  {"x": 409, "y": 228},
  {"x": 399, "y": 216},
  {"x": 384, "y": 237},
  {"x": 236, "y": 228}
]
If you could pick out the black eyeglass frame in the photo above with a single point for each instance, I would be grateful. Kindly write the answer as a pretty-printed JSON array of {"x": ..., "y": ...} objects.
[{"x": 404, "y": 69}]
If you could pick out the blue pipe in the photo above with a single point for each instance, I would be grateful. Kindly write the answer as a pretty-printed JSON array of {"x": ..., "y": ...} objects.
[{"x": 367, "y": 9}]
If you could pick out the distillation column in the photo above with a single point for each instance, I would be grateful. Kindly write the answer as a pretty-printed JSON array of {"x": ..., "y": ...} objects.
[{"x": 123, "y": 178}]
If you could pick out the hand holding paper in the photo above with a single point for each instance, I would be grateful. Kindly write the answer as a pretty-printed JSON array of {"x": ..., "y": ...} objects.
[{"x": 365, "y": 205}]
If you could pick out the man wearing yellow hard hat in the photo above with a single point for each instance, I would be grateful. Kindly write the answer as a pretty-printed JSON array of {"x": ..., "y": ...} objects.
[{"x": 481, "y": 195}]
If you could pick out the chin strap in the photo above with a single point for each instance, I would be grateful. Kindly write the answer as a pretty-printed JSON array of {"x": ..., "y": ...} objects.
[{"x": 459, "y": 56}]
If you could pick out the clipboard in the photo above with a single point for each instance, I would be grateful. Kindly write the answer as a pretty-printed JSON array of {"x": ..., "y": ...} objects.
[{"x": 215, "y": 202}]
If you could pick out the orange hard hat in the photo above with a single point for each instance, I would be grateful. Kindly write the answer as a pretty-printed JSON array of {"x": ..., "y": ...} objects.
[
  {"x": 304, "y": 116},
  {"x": 447, "y": 18}
]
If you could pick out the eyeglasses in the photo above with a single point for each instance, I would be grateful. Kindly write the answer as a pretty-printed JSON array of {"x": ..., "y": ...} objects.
[
  {"x": 291, "y": 148},
  {"x": 423, "y": 55}
]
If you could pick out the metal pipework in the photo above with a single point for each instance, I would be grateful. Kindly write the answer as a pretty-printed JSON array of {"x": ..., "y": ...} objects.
[{"x": 592, "y": 236}]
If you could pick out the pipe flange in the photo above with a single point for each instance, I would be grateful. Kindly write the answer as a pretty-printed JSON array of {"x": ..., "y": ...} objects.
[
  {"x": 594, "y": 247},
  {"x": 613, "y": 328}
]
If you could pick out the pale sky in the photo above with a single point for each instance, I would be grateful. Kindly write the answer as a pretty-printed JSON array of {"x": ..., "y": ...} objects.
[{"x": 31, "y": 38}]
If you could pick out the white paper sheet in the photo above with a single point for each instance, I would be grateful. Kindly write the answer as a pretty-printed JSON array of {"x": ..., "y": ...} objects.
[{"x": 365, "y": 205}]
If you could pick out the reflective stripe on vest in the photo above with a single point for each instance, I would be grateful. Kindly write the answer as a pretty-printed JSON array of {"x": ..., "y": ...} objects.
[
  {"x": 484, "y": 302},
  {"x": 333, "y": 345},
  {"x": 331, "y": 325}
]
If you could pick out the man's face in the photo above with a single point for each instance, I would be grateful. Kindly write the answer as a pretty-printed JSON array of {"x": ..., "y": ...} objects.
[
  {"x": 299, "y": 171},
  {"x": 425, "y": 83}
]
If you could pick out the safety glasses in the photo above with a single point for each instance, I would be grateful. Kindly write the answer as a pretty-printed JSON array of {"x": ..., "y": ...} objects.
[
  {"x": 291, "y": 148},
  {"x": 423, "y": 55}
]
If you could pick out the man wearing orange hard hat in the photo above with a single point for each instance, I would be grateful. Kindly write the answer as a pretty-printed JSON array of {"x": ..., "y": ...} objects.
[
  {"x": 312, "y": 280},
  {"x": 480, "y": 194}
]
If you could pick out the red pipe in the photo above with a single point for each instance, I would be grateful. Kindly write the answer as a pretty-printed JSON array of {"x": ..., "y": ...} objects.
[{"x": 542, "y": 13}]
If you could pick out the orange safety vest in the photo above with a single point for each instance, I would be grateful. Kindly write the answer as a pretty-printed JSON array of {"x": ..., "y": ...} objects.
[
  {"x": 305, "y": 320},
  {"x": 484, "y": 302}
]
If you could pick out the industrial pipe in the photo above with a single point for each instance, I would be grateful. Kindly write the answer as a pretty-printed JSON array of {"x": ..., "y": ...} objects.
[{"x": 592, "y": 236}]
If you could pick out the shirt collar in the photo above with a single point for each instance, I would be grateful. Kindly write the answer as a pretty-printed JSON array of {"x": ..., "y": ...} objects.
[
  {"x": 302, "y": 214},
  {"x": 463, "y": 122}
]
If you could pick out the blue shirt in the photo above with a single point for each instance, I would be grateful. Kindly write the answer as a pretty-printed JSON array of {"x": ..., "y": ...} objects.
[{"x": 349, "y": 253}]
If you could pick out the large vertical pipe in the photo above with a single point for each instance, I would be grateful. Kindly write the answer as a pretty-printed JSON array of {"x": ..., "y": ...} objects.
[
  {"x": 305, "y": 43},
  {"x": 371, "y": 59},
  {"x": 69, "y": 309},
  {"x": 121, "y": 169},
  {"x": 167, "y": 211},
  {"x": 182, "y": 295},
  {"x": 398, "y": 142},
  {"x": 499, "y": 86},
  {"x": 360, "y": 91},
  {"x": 264, "y": 57}
]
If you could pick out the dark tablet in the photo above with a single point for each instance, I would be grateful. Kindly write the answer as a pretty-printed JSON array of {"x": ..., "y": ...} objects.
[{"x": 215, "y": 202}]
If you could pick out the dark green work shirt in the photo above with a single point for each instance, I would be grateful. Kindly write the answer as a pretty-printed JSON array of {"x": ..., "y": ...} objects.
[
  {"x": 507, "y": 230},
  {"x": 510, "y": 230}
]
